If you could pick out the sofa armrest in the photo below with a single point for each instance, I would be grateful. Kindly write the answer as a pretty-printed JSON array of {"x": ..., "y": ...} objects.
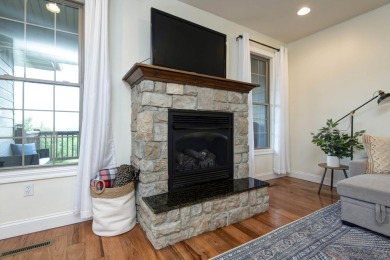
[
  {"x": 43, "y": 153},
  {"x": 357, "y": 167}
]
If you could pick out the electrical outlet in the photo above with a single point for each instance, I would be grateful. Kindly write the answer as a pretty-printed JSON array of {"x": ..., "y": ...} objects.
[{"x": 28, "y": 190}]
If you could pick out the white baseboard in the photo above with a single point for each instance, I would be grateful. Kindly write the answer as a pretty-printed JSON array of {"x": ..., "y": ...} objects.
[
  {"x": 317, "y": 178},
  {"x": 32, "y": 225},
  {"x": 308, "y": 177},
  {"x": 268, "y": 176}
]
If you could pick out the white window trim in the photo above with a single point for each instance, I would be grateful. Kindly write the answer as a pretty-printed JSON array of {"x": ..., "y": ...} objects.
[
  {"x": 37, "y": 173},
  {"x": 14, "y": 175},
  {"x": 264, "y": 151},
  {"x": 271, "y": 56}
]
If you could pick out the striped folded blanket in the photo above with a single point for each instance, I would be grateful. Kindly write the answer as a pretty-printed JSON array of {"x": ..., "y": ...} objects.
[{"x": 106, "y": 175}]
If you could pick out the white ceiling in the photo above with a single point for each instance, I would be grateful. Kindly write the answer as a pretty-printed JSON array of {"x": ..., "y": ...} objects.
[{"x": 278, "y": 18}]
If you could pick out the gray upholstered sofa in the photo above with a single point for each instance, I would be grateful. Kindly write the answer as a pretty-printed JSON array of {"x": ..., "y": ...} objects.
[{"x": 365, "y": 198}]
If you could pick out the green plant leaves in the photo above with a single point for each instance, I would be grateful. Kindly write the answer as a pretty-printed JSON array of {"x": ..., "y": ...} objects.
[{"x": 335, "y": 143}]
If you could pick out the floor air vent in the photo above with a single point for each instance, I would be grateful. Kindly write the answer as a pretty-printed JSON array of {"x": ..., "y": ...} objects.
[{"x": 25, "y": 249}]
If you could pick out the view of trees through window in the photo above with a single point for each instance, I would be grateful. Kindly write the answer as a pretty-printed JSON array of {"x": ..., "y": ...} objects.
[{"x": 39, "y": 83}]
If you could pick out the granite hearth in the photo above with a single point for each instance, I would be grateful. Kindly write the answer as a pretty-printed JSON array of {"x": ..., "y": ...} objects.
[
  {"x": 168, "y": 216},
  {"x": 202, "y": 193}
]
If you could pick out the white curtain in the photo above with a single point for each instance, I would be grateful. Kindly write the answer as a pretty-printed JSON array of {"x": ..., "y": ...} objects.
[
  {"x": 244, "y": 74},
  {"x": 97, "y": 146},
  {"x": 281, "y": 118}
]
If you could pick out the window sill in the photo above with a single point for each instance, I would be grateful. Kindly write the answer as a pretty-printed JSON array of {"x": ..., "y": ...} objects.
[
  {"x": 264, "y": 151},
  {"x": 38, "y": 173}
]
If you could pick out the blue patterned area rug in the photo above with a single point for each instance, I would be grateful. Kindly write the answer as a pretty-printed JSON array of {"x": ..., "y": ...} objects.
[{"x": 320, "y": 235}]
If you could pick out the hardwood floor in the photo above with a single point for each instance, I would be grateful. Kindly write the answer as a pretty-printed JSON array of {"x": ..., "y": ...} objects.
[{"x": 290, "y": 199}]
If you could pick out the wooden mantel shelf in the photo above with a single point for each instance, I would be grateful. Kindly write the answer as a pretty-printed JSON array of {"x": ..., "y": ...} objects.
[{"x": 141, "y": 72}]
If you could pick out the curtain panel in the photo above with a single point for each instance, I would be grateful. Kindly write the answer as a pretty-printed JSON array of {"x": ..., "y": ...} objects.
[
  {"x": 281, "y": 114},
  {"x": 244, "y": 74},
  {"x": 96, "y": 145}
]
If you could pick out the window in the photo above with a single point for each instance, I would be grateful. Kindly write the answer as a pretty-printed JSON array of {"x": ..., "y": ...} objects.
[
  {"x": 40, "y": 83},
  {"x": 260, "y": 102}
]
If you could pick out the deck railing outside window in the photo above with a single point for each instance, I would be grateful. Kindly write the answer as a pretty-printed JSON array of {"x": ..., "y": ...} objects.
[{"x": 62, "y": 145}]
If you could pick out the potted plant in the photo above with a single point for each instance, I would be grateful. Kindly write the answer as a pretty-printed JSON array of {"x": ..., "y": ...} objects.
[{"x": 336, "y": 144}]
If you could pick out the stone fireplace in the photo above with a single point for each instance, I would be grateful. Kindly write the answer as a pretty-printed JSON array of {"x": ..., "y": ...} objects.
[{"x": 190, "y": 141}]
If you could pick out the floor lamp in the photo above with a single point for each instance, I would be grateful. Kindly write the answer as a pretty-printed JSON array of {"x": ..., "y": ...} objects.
[{"x": 382, "y": 96}]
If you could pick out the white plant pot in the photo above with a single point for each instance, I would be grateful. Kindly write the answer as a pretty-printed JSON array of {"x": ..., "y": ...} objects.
[{"x": 332, "y": 161}]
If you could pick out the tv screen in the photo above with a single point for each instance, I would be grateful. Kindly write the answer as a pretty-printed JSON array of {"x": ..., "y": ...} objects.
[{"x": 183, "y": 45}]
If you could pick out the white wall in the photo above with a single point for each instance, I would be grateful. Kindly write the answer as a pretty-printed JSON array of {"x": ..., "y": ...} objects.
[
  {"x": 264, "y": 167},
  {"x": 46, "y": 192},
  {"x": 331, "y": 73},
  {"x": 129, "y": 26},
  {"x": 50, "y": 206}
]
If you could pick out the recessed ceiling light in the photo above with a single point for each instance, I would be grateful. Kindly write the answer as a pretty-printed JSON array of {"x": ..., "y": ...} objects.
[
  {"x": 52, "y": 7},
  {"x": 304, "y": 11}
]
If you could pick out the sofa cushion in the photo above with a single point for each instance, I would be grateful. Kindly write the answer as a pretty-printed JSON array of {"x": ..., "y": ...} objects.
[
  {"x": 372, "y": 188},
  {"x": 5, "y": 147},
  {"x": 378, "y": 151},
  {"x": 29, "y": 149}
]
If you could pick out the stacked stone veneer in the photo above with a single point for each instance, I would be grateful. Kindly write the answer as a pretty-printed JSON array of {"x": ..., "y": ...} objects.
[
  {"x": 150, "y": 103},
  {"x": 176, "y": 225}
]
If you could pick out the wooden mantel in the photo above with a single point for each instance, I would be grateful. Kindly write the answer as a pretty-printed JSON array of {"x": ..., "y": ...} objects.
[{"x": 141, "y": 72}]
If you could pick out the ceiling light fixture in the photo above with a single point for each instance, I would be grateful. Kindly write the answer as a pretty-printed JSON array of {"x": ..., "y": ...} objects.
[
  {"x": 52, "y": 7},
  {"x": 303, "y": 11}
]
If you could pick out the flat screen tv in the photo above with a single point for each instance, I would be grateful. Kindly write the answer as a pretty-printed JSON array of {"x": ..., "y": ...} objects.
[{"x": 183, "y": 45}]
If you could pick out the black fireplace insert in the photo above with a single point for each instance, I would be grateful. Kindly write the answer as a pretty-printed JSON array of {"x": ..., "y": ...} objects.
[{"x": 200, "y": 147}]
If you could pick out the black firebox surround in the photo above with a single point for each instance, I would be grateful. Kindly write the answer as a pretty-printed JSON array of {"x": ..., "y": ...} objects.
[{"x": 185, "y": 121}]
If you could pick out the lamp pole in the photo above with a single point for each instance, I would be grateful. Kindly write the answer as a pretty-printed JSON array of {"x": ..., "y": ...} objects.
[{"x": 352, "y": 113}]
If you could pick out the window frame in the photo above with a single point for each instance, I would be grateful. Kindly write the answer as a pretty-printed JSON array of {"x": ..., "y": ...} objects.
[
  {"x": 37, "y": 172},
  {"x": 270, "y": 56}
]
